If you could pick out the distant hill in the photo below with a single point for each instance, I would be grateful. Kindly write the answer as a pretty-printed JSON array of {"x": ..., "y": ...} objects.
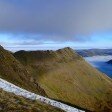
[
  {"x": 94, "y": 52},
  {"x": 109, "y": 62},
  {"x": 13, "y": 71},
  {"x": 66, "y": 76}
]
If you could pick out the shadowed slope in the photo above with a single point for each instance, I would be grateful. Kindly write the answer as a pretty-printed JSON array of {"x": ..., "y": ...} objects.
[
  {"x": 66, "y": 76},
  {"x": 13, "y": 71}
]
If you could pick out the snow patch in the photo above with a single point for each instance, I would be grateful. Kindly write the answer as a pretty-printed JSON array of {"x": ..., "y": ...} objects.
[{"x": 9, "y": 87}]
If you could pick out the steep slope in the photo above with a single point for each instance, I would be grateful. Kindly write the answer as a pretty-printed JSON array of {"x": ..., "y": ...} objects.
[
  {"x": 66, "y": 76},
  {"x": 13, "y": 71},
  {"x": 12, "y": 103}
]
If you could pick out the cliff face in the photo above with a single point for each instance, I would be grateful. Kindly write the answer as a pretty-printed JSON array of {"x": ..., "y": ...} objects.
[
  {"x": 13, "y": 71},
  {"x": 66, "y": 76}
]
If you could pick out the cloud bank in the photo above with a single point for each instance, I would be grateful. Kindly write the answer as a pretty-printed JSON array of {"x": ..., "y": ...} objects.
[{"x": 64, "y": 20}]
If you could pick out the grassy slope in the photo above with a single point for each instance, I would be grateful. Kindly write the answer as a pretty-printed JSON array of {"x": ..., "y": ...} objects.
[
  {"x": 13, "y": 71},
  {"x": 71, "y": 84},
  {"x": 12, "y": 103},
  {"x": 65, "y": 76}
]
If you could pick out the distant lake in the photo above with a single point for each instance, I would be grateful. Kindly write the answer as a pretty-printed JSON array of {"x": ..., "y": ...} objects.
[{"x": 99, "y": 62}]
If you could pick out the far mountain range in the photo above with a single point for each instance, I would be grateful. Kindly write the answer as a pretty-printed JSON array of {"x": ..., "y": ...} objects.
[{"x": 94, "y": 52}]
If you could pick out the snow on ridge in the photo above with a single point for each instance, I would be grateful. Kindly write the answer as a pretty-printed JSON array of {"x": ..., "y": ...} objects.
[{"x": 9, "y": 87}]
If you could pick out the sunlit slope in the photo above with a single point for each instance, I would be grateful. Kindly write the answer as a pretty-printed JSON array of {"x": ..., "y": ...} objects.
[
  {"x": 66, "y": 76},
  {"x": 13, "y": 71}
]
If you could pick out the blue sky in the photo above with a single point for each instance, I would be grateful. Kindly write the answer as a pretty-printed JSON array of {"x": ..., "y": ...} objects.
[{"x": 53, "y": 24}]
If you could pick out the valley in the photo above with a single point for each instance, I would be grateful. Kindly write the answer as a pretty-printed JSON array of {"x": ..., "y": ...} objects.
[{"x": 101, "y": 63}]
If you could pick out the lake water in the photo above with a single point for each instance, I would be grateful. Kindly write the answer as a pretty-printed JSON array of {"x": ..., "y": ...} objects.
[{"x": 99, "y": 62}]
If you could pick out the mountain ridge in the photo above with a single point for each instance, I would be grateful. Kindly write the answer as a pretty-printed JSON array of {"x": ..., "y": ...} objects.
[
  {"x": 40, "y": 55},
  {"x": 66, "y": 76}
]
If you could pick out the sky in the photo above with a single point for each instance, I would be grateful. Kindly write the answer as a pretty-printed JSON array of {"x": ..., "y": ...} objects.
[{"x": 53, "y": 24}]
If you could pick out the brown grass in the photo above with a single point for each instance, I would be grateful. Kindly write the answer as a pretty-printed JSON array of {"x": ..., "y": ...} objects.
[{"x": 12, "y": 103}]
